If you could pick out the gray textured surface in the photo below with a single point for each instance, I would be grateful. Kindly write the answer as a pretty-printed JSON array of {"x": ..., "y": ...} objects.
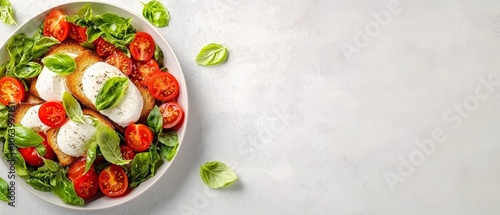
[{"x": 310, "y": 129}]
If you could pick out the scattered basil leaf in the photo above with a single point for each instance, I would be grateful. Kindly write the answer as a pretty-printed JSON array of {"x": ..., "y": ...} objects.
[
  {"x": 61, "y": 64},
  {"x": 19, "y": 48},
  {"x": 43, "y": 178},
  {"x": 23, "y": 137},
  {"x": 91, "y": 154},
  {"x": 109, "y": 143},
  {"x": 155, "y": 159},
  {"x": 4, "y": 116},
  {"x": 3, "y": 68},
  {"x": 93, "y": 33},
  {"x": 40, "y": 148},
  {"x": 140, "y": 168},
  {"x": 73, "y": 108},
  {"x": 83, "y": 17},
  {"x": 216, "y": 174},
  {"x": 156, "y": 13},
  {"x": 42, "y": 45},
  {"x": 212, "y": 54},
  {"x": 168, "y": 152},
  {"x": 170, "y": 143},
  {"x": 27, "y": 70},
  {"x": 6, "y": 12},
  {"x": 158, "y": 55},
  {"x": 65, "y": 190},
  {"x": 4, "y": 190},
  {"x": 155, "y": 120},
  {"x": 20, "y": 164},
  {"x": 39, "y": 32},
  {"x": 110, "y": 94}
]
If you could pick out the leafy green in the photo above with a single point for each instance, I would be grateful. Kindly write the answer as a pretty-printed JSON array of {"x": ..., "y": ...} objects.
[
  {"x": 6, "y": 12},
  {"x": 73, "y": 108},
  {"x": 115, "y": 30},
  {"x": 111, "y": 93},
  {"x": 23, "y": 137},
  {"x": 28, "y": 70},
  {"x": 109, "y": 143},
  {"x": 155, "y": 159},
  {"x": 158, "y": 55},
  {"x": 20, "y": 164},
  {"x": 65, "y": 190},
  {"x": 4, "y": 190},
  {"x": 170, "y": 143},
  {"x": 19, "y": 48},
  {"x": 3, "y": 68},
  {"x": 4, "y": 116},
  {"x": 155, "y": 120},
  {"x": 44, "y": 178},
  {"x": 93, "y": 33},
  {"x": 62, "y": 64},
  {"x": 140, "y": 169},
  {"x": 83, "y": 17},
  {"x": 42, "y": 45},
  {"x": 156, "y": 13},
  {"x": 216, "y": 174},
  {"x": 91, "y": 154},
  {"x": 212, "y": 54},
  {"x": 168, "y": 152}
]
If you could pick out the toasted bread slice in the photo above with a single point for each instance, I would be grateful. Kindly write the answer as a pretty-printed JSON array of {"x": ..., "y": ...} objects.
[
  {"x": 65, "y": 159},
  {"x": 70, "y": 48},
  {"x": 32, "y": 99},
  {"x": 74, "y": 84}
]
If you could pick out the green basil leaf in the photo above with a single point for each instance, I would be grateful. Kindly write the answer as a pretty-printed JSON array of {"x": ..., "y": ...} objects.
[
  {"x": 155, "y": 159},
  {"x": 19, "y": 48},
  {"x": 93, "y": 33},
  {"x": 73, "y": 108},
  {"x": 39, "y": 32},
  {"x": 65, "y": 190},
  {"x": 168, "y": 152},
  {"x": 155, "y": 120},
  {"x": 216, "y": 174},
  {"x": 23, "y": 137},
  {"x": 109, "y": 143},
  {"x": 3, "y": 68},
  {"x": 42, "y": 45},
  {"x": 4, "y": 116},
  {"x": 169, "y": 138},
  {"x": 44, "y": 177},
  {"x": 158, "y": 55},
  {"x": 91, "y": 154},
  {"x": 4, "y": 190},
  {"x": 61, "y": 64},
  {"x": 40, "y": 148},
  {"x": 156, "y": 13},
  {"x": 28, "y": 70},
  {"x": 212, "y": 54},
  {"x": 6, "y": 12},
  {"x": 111, "y": 93},
  {"x": 140, "y": 168},
  {"x": 20, "y": 164}
]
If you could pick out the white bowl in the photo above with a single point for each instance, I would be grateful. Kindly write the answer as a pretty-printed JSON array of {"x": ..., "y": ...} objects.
[{"x": 171, "y": 62}]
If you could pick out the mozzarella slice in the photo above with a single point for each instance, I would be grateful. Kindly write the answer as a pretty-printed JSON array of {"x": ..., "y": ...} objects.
[
  {"x": 74, "y": 138},
  {"x": 32, "y": 121},
  {"x": 128, "y": 110}
]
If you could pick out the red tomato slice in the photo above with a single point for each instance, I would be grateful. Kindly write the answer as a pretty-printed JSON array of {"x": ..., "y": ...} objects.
[
  {"x": 172, "y": 114},
  {"x": 127, "y": 152},
  {"x": 32, "y": 157},
  {"x": 104, "y": 48},
  {"x": 77, "y": 169},
  {"x": 142, "y": 47},
  {"x": 113, "y": 181},
  {"x": 77, "y": 33},
  {"x": 55, "y": 25},
  {"x": 86, "y": 185},
  {"x": 163, "y": 86},
  {"x": 11, "y": 91},
  {"x": 143, "y": 71},
  {"x": 52, "y": 114},
  {"x": 139, "y": 137},
  {"x": 120, "y": 61}
]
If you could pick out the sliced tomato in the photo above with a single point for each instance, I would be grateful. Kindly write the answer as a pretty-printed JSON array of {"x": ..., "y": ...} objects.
[
  {"x": 77, "y": 169},
  {"x": 143, "y": 71},
  {"x": 172, "y": 114},
  {"x": 104, "y": 48},
  {"x": 32, "y": 157},
  {"x": 11, "y": 91},
  {"x": 163, "y": 86},
  {"x": 120, "y": 61},
  {"x": 55, "y": 25},
  {"x": 86, "y": 186},
  {"x": 179, "y": 124},
  {"x": 139, "y": 137},
  {"x": 127, "y": 152},
  {"x": 142, "y": 47},
  {"x": 113, "y": 181},
  {"x": 52, "y": 114},
  {"x": 77, "y": 33}
]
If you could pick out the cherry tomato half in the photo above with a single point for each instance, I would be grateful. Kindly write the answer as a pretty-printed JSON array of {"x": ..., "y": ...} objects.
[
  {"x": 143, "y": 71},
  {"x": 104, "y": 48},
  {"x": 139, "y": 137},
  {"x": 113, "y": 181},
  {"x": 127, "y": 152},
  {"x": 52, "y": 114},
  {"x": 77, "y": 33},
  {"x": 120, "y": 61},
  {"x": 163, "y": 86},
  {"x": 172, "y": 114},
  {"x": 86, "y": 186},
  {"x": 77, "y": 169},
  {"x": 32, "y": 157},
  {"x": 142, "y": 47},
  {"x": 55, "y": 25},
  {"x": 11, "y": 91}
]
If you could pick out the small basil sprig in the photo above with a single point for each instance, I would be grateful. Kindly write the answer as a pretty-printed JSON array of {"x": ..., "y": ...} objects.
[
  {"x": 73, "y": 108},
  {"x": 111, "y": 93},
  {"x": 212, "y": 54},
  {"x": 4, "y": 190},
  {"x": 61, "y": 64},
  {"x": 109, "y": 143},
  {"x": 6, "y": 12},
  {"x": 156, "y": 13},
  {"x": 42, "y": 45},
  {"x": 216, "y": 174}
]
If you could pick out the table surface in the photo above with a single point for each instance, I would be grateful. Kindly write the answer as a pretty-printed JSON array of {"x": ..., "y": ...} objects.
[{"x": 329, "y": 107}]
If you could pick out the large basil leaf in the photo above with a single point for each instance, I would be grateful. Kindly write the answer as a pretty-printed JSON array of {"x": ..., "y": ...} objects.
[
  {"x": 216, "y": 174},
  {"x": 65, "y": 190},
  {"x": 20, "y": 164},
  {"x": 19, "y": 48},
  {"x": 91, "y": 154},
  {"x": 212, "y": 54},
  {"x": 42, "y": 45},
  {"x": 109, "y": 143},
  {"x": 23, "y": 137},
  {"x": 155, "y": 120},
  {"x": 156, "y": 13},
  {"x": 61, "y": 64},
  {"x": 168, "y": 152},
  {"x": 28, "y": 70},
  {"x": 111, "y": 93},
  {"x": 73, "y": 108},
  {"x": 140, "y": 169},
  {"x": 4, "y": 190},
  {"x": 6, "y": 12}
]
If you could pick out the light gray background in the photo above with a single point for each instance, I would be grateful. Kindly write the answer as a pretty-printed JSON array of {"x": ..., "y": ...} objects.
[{"x": 311, "y": 129}]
